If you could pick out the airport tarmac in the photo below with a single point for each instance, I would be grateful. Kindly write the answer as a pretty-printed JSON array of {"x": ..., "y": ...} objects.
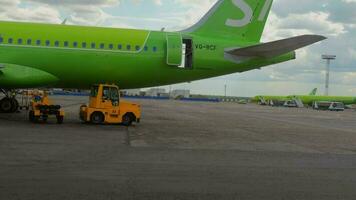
[{"x": 182, "y": 150}]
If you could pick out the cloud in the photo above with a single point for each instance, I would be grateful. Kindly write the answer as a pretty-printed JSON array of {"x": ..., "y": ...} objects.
[
  {"x": 11, "y": 10},
  {"x": 194, "y": 11},
  {"x": 85, "y": 12},
  {"x": 78, "y": 2},
  {"x": 157, "y": 2},
  {"x": 312, "y": 22}
]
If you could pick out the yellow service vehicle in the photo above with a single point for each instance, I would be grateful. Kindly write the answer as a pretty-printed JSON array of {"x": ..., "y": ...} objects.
[
  {"x": 41, "y": 108},
  {"x": 106, "y": 107}
]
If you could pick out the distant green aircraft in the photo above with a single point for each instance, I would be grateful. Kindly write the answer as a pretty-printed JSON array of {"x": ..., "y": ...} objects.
[
  {"x": 309, "y": 100},
  {"x": 313, "y": 92},
  {"x": 263, "y": 98},
  {"x": 226, "y": 40}
]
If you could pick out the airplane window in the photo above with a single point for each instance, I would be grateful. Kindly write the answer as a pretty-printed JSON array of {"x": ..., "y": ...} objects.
[
  {"x": 146, "y": 48},
  {"x": 119, "y": 46},
  {"x": 128, "y": 47},
  {"x": 38, "y": 42},
  {"x": 111, "y": 46},
  {"x": 93, "y": 45},
  {"x": 154, "y": 49},
  {"x": 66, "y": 43},
  {"x": 102, "y": 46},
  {"x": 19, "y": 41},
  {"x": 10, "y": 41},
  {"x": 1, "y": 40},
  {"x": 137, "y": 47},
  {"x": 48, "y": 42},
  {"x": 29, "y": 41},
  {"x": 84, "y": 45},
  {"x": 75, "y": 44},
  {"x": 56, "y": 43}
]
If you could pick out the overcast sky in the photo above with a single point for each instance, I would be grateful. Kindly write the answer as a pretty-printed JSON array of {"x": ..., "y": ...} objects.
[{"x": 335, "y": 19}]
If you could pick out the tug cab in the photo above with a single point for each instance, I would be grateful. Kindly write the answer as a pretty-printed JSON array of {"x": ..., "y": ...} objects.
[{"x": 106, "y": 107}]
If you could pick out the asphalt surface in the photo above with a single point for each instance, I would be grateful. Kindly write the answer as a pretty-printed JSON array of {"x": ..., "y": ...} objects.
[{"x": 182, "y": 150}]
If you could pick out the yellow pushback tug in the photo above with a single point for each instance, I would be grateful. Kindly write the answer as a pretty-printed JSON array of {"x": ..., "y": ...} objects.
[
  {"x": 41, "y": 108},
  {"x": 106, "y": 107}
]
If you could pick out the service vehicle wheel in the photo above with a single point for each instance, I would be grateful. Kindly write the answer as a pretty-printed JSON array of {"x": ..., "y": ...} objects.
[
  {"x": 60, "y": 119},
  {"x": 127, "y": 120},
  {"x": 97, "y": 118},
  {"x": 32, "y": 117},
  {"x": 6, "y": 105},
  {"x": 44, "y": 118},
  {"x": 15, "y": 105},
  {"x": 82, "y": 112}
]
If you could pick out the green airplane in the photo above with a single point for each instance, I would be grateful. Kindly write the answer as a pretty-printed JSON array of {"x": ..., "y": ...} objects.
[
  {"x": 312, "y": 97},
  {"x": 309, "y": 100},
  {"x": 313, "y": 92},
  {"x": 226, "y": 40},
  {"x": 265, "y": 99}
]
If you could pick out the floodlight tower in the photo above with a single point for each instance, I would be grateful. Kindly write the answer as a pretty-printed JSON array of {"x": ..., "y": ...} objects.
[
  {"x": 225, "y": 87},
  {"x": 328, "y": 59}
]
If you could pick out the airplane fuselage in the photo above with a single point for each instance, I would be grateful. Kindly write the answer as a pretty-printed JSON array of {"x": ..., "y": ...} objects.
[{"x": 81, "y": 56}]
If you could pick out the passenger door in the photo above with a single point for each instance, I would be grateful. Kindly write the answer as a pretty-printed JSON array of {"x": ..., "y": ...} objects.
[{"x": 174, "y": 49}]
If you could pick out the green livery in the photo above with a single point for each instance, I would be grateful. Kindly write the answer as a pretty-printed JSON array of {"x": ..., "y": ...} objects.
[
  {"x": 279, "y": 98},
  {"x": 226, "y": 40},
  {"x": 309, "y": 100},
  {"x": 306, "y": 99},
  {"x": 313, "y": 92}
]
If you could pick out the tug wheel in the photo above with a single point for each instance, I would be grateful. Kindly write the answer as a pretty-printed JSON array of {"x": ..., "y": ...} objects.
[
  {"x": 97, "y": 118},
  {"x": 127, "y": 119}
]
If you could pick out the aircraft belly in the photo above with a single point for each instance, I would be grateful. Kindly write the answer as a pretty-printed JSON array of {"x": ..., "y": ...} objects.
[{"x": 17, "y": 76}]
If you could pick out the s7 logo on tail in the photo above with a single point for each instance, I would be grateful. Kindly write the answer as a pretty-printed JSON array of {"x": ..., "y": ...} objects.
[{"x": 248, "y": 12}]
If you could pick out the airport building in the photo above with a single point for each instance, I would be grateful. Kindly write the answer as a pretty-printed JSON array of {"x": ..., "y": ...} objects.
[
  {"x": 157, "y": 92},
  {"x": 176, "y": 94},
  {"x": 133, "y": 92}
]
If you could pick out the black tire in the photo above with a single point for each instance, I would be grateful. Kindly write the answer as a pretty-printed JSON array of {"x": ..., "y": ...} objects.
[
  {"x": 60, "y": 119},
  {"x": 15, "y": 105},
  {"x": 44, "y": 118},
  {"x": 32, "y": 117},
  {"x": 81, "y": 114},
  {"x": 6, "y": 105},
  {"x": 127, "y": 120},
  {"x": 97, "y": 118}
]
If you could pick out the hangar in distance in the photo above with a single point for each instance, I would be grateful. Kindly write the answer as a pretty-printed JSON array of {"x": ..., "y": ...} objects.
[{"x": 226, "y": 40}]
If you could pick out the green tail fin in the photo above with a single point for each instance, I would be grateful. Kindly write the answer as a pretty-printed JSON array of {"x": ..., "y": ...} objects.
[
  {"x": 313, "y": 92},
  {"x": 234, "y": 20}
]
